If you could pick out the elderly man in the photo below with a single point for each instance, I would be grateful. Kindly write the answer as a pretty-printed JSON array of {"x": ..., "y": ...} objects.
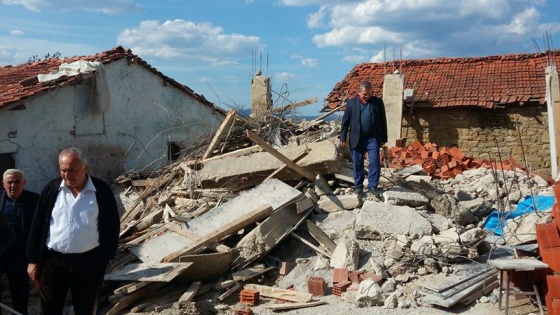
[
  {"x": 364, "y": 125},
  {"x": 17, "y": 206},
  {"x": 74, "y": 235}
]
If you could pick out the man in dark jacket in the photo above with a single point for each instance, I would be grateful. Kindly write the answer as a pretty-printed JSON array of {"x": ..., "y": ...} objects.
[
  {"x": 364, "y": 125},
  {"x": 73, "y": 237},
  {"x": 17, "y": 205}
]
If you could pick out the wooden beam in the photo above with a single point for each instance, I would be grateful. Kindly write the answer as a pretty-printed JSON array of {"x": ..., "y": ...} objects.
[
  {"x": 132, "y": 212},
  {"x": 230, "y": 118},
  {"x": 128, "y": 300},
  {"x": 187, "y": 297},
  {"x": 320, "y": 236},
  {"x": 288, "y": 295},
  {"x": 268, "y": 148},
  {"x": 306, "y": 242},
  {"x": 294, "y": 105},
  {"x": 232, "y": 227},
  {"x": 293, "y": 306},
  {"x": 283, "y": 167}
]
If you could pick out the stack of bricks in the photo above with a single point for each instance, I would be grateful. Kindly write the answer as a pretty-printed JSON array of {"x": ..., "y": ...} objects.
[
  {"x": 340, "y": 281},
  {"x": 441, "y": 162},
  {"x": 316, "y": 286},
  {"x": 548, "y": 239},
  {"x": 249, "y": 297},
  {"x": 341, "y": 287}
]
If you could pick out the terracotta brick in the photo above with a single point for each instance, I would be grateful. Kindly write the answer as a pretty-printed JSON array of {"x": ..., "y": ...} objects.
[
  {"x": 547, "y": 235},
  {"x": 551, "y": 257},
  {"x": 553, "y": 284},
  {"x": 548, "y": 300},
  {"x": 456, "y": 153},
  {"x": 371, "y": 275},
  {"x": 340, "y": 275},
  {"x": 340, "y": 287},
  {"x": 316, "y": 286},
  {"x": 556, "y": 189},
  {"x": 286, "y": 267},
  {"x": 354, "y": 276},
  {"x": 249, "y": 296}
]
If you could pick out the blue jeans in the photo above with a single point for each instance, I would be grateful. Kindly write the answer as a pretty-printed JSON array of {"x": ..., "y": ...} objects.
[{"x": 370, "y": 146}]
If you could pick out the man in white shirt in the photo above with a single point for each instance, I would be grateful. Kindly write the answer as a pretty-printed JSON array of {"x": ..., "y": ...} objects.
[{"x": 73, "y": 237}]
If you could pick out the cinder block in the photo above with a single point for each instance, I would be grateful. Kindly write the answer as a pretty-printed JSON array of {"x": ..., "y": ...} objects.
[
  {"x": 316, "y": 286},
  {"x": 340, "y": 287},
  {"x": 340, "y": 275},
  {"x": 249, "y": 296},
  {"x": 547, "y": 236}
]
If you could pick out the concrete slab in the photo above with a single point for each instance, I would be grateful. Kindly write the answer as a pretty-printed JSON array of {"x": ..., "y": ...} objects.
[
  {"x": 249, "y": 170},
  {"x": 404, "y": 197},
  {"x": 332, "y": 203},
  {"x": 377, "y": 219}
]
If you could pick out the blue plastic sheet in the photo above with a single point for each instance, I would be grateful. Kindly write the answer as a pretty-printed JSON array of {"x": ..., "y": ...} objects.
[{"x": 496, "y": 220}]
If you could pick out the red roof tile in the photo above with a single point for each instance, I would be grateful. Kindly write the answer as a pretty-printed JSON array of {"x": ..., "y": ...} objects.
[
  {"x": 20, "y": 82},
  {"x": 457, "y": 82}
]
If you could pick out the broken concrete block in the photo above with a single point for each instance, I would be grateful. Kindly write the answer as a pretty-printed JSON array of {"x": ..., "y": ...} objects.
[
  {"x": 321, "y": 263},
  {"x": 423, "y": 246},
  {"x": 438, "y": 221},
  {"x": 472, "y": 236},
  {"x": 332, "y": 203},
  {"x": 391, "y": 301},
  {"x": 334, "y": 222},
  {"x": 378, "y": 219},
  {"x": 249, "y": 170},
  {"x": 403, "y": 197},
  {"x": 448, "y": 206},
  {"x": 346, "y": 254},
  {"x": 451, "y": 234},
  {"x": 479, "y": 207},
  {"x": 369, "y": 294},
  {"x": 524, "y": 229}
]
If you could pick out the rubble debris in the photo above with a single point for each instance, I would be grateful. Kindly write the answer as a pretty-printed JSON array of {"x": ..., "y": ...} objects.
[{"x": 215, "y": 224}]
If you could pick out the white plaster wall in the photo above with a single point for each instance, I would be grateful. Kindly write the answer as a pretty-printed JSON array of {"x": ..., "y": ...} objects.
[{"x": 132, "y": 134}]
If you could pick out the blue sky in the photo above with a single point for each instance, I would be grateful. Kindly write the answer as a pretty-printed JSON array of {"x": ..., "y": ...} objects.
[{"x": 304, "y": 46}]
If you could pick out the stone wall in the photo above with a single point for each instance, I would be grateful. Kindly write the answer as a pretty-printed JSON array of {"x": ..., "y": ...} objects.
[{"x": 485, "y": 133}]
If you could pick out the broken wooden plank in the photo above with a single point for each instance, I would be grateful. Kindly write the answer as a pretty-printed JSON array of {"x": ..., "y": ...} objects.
[
  {"x": 128, "y": 300},
  {"x": 226, "y": 123},
  {"x": 268, "y": 234},
  {"x": 270, "y": 149},
  {"x": 229, "y": 291},
  {"x": 233, "y": 226},
  {"x": 304, "y": 204},
  {"x": 283, "y": 167},
  {"x": 293, "y": 105},
  {"x": 288, "y": 295},
  {"x": 293, "y": 306},
  {"x": 317, "y": 249},
  {"x": 132, "y": 212},
  {"x": 320, "y": 236},
  {"x": 187, "y": 297},
  {"x": 206, "y": 266},
  {"x": 159, "y": 272},
  {"x": 250, "y": 273}
]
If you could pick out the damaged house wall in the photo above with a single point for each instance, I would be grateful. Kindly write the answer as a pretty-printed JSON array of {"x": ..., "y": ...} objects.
[
  {"x": 482, "y": 105},
  {"x": 144, "y": 115},
  {"x": 486, "y": 134}
]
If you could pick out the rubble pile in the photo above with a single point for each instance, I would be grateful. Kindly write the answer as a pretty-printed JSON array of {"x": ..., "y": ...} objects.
[{"x": 275, "y": 225}]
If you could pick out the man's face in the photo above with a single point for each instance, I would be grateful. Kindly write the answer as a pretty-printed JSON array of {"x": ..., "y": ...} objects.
[
  {"x": 73, "y": 171},
  {"x": 13, "y": 184},
  {"x": 364, "y": 94}
]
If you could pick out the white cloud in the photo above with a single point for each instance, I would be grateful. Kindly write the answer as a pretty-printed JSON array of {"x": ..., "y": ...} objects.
[
  {"x": 20, "y": 49},
  {"x": 102, "y": 6},
  {"x": 425, "y": 27},
  {"x": 186, "y": 39},
  {"x": 16, "y": 32},
  {"x": 310, "y": 62}
]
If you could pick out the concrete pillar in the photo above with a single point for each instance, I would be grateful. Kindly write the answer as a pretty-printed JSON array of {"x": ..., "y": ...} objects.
[
  {"x": 553, "y": 108},
  {"x": 261, "y": 96},
  {"x": 393, "y": 87}
]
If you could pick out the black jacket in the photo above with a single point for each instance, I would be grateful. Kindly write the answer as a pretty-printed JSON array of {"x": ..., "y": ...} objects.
[
  {"x": 29, "y": 201},
  {"x": 108, "y": 221},
  {"x": 7, "y": 235},
  {"x": 350, "y": 127}
]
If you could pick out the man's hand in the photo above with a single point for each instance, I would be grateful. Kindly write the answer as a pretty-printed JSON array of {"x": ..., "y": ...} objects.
[
  {"x": 32, "y": 271},
  {"x": 342, "y": 143}
]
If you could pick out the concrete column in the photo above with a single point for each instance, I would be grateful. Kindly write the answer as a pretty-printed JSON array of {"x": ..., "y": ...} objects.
[
  {"x": 261, "y": 96},
  {"x": 393, "y": 88},
  {"x": 553, "y": 108}
]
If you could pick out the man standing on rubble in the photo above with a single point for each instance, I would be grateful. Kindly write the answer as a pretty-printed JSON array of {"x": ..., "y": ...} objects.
[
  {"x": 17, "y": 206},
  {"x": 74, "y": 235},
  {"x": 364, "y": 124}
]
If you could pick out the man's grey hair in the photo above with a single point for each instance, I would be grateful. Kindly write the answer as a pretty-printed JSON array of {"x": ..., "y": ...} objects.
[
  {"x": 13, "y": 171},
  {"x": 364, "y": 85},
  {"x": 79, "y": 153}
]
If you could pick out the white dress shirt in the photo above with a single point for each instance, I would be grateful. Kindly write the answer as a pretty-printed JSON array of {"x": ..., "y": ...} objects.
[{"x": 73, "y": 224}]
